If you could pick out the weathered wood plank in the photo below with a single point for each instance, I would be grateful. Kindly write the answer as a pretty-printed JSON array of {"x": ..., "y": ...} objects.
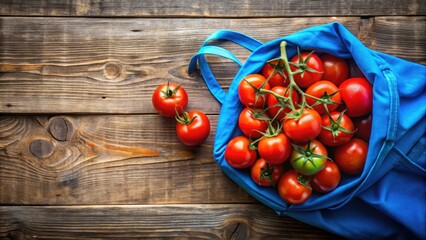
[
  {"x": 218, "y": 221},
  {"x": 63, "y": 65},
  {"x": 127, "y": 159},
  {"x": 210, "y": 8}
]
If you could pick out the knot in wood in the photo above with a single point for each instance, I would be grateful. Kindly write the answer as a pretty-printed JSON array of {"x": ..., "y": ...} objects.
[
  {"x": 41, "y": 148},
  {"x": 236, "y": 230},
  {"x": 60, "y": 129},
  {"x": 112, "y": 70}
]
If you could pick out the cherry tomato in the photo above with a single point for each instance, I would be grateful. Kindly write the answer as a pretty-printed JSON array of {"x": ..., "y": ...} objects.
[
  {"x": 309, "y": 158},
  {"x": 336, "y": 131},
  {"x": 363, "y": 127},
  {"x": 326, "y": 91},
  {"x": 275, "y": 149},
  {"x": 192, "y": 127},
  {"x": 336, "y": 69},
  {"x": 248, "y": 90},
  {"x": 253, "y": 122},
  {"x": 313, "y": 69},
  {"x": 266, "y": 174},
  {"x": 327, "y": 179},
  {"x": 274, "y": 105},
  {"x": 169, "y": 98},
  {"x": 357, "y": 93},
  {"x": 306, "y": 128},
  {"x": 280, "y": 78},
  {"x": 293, "y": 188},
  {"x": 238, "y": 153},
  {"x": 351, "y": 157}
]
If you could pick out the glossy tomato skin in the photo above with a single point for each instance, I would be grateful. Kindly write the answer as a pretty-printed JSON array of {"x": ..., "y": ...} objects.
[
  {"x": 323, "y": 89},
  {"x": 326, "y": 136},
  {"x": 363, "y": 127},
  {"x": 238, "y": 153},
  {"x": 291, "y": 190},
  {"x": 166, "y": 103},
  {"x": 357, "y": 94},
  {"x": 306, "y": 128},
  {"x": 275, "y": 150},
  {"x": 351, "y": 157},
  {"x": 250, "y": 125},
  {"x": 305, "y": 162},
  {"x": 336, "y": 69},
  {"x": 248, "y": 94},
  {"x": 195, "y": 132},
  {"x": 265, "y": 174},
  {"x": 277, "y": 79},
  {"x": 274, "y": 105},
  {"x": 308, "y": 78},
  {"x": 327, "y": 179}
]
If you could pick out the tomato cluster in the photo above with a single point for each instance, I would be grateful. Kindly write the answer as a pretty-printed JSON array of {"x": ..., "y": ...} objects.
[
  {"x": 306, "y": 122},
  {"x": 170, "y": 100}
]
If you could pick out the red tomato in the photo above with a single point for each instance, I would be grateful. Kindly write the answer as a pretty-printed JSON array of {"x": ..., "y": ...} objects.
[
  {"x": 326, "y": 91},
  {"x": 337, "y": 131},
  {"x": 266, "y": 174},
  {"x": 253, "y": 122},
  {"x": 327, "y": 179},
  {"x": 274, "y": 105},
  {"x": 280, "y": 78},
  {"x": 357, "y": 93},
  {"x": 169, "y": 98},
  {"x": 310, "y": 158},
  {"x": 363, "y": 127},
  {"x": 274, "y": 149},
  {"x": 293, "y": 188},
  {"x": 336, "y": 69},
  {"x": 238, "y": 153},
  {"x": 351, "y": 157},
  {"x": 192, "y": 128},
  {"x": 248, "y": 90},
  {"x": 306, "y": 128},
  {"x": 313, "y": 69}
]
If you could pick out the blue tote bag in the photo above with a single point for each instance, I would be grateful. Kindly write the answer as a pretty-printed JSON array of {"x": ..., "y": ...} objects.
[{"x": 388, "y": 199}]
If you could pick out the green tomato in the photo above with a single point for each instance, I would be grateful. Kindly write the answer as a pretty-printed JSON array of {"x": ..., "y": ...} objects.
[{"x": 310, "y": 158}]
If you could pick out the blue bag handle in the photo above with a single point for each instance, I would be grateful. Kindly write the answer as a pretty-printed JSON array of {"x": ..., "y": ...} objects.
[{"x": 206, "y": 48}]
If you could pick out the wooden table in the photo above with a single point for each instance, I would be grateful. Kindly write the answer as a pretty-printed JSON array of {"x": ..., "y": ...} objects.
[{"x": 83, "y": 153}]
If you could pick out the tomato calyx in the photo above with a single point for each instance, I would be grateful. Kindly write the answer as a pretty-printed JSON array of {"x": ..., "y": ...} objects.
[
  {"x": 325, "y": 99},
  {"x": 169, "y": 93},
  {"x": 266, "y": 173},
  {"x": 258, "y": 90},
  {"x": 308, "y": 154},
  {"x": 302, "y": 65},
  {"x": 259, "y": 114},
  {"x": 279, "y": 67},
  {"x": 304, "y": 180},
  {"x": 184, "y": 118},
  {"x": 335, "y": 126}
]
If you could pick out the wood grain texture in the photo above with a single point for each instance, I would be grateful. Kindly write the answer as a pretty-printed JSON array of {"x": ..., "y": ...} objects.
[
  {"x": 198, "y": 221},
  {"x": 114, "y": 159},
  {"x": 62, "y": 65},
  {"x": 211, "y": 8}
]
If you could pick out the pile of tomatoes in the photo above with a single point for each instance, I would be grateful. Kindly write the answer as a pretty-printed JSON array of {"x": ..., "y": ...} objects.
[
  {"x": 170, "y": 100},
  {"x": 305, "y": 124}
]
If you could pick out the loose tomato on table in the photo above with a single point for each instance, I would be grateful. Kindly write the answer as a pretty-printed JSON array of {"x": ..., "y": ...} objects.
[
  {"x": 351, "y": 157},
  {"x": 327, "y": 179},
  {"x": 305, "y": 128},
  {"x": 294, "y": 188},
  {"x": 239, "y": 153},
  {"x": 253, "y": 122},
  {"x": 337, "y": 129},
  {"x": 310, "y": 158},
  {"x": 312, "y": 68},
  {"x": 278, "y": 107},
  {"x": 336, "y": 69},
  {"x": 192, "y": 127},
  {"x": 327, "y": 92},
  {"x": 265, "y": 174},
  {"x": 279, "y": 78},
  {"x": 248, "y": 90},
  {"x": 169, "y": 98},
  {"x": 357, "y": 94}
]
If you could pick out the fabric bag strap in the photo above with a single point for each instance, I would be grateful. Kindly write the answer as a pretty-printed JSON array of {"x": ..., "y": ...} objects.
[{"x": 208, "y": 48}]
